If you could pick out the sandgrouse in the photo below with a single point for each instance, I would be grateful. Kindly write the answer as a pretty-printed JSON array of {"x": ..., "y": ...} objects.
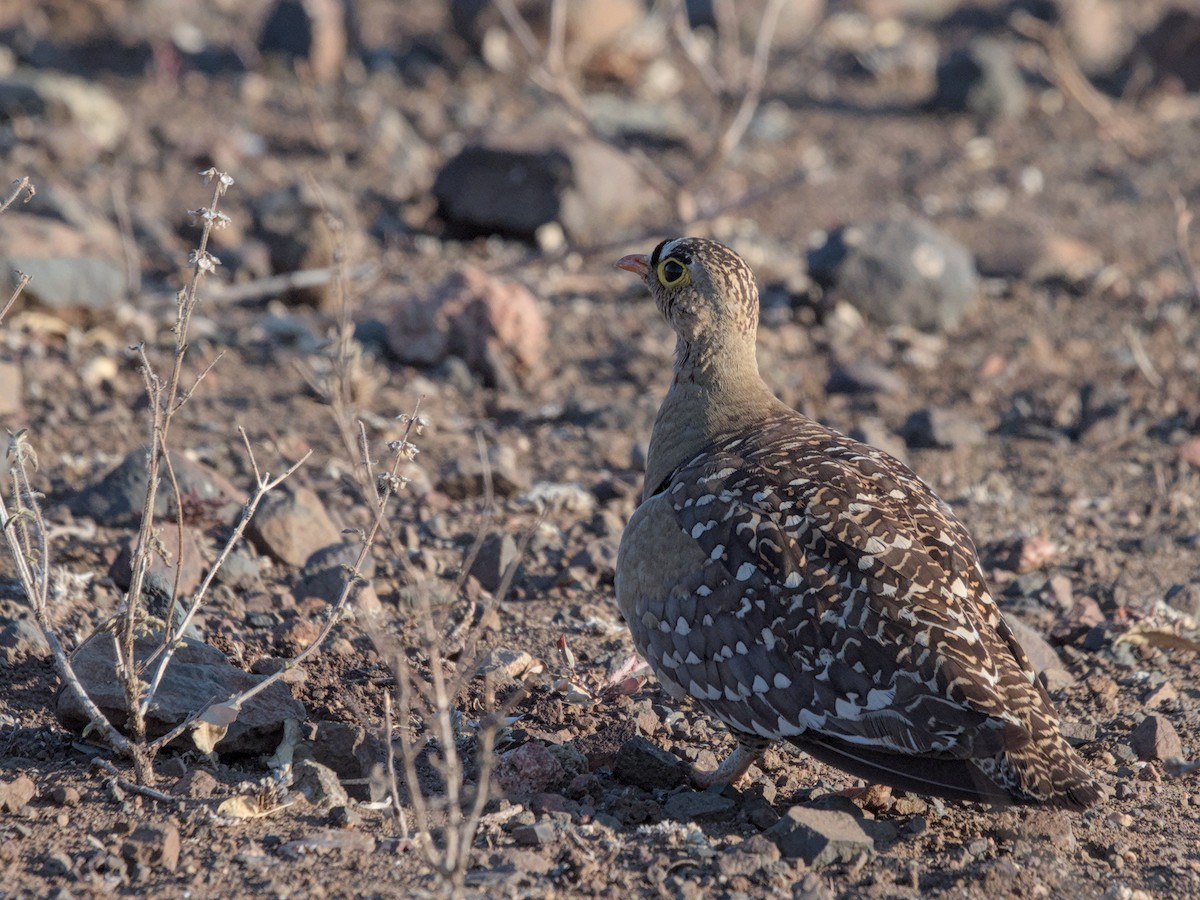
[{"x": 804, "y": 587}]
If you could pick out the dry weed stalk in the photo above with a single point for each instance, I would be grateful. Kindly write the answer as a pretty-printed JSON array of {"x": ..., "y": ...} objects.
[
  {"x": 737, "y": 86},
  {"x": 432, "y": 700},
  {"x": 1063, "y": 71},
  {"x": 26, "y": 534},
  {"x": 21, "y": 186}
]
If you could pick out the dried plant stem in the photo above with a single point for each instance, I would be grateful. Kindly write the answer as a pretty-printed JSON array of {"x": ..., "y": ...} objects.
[
  {"x": 25, "y": 531},
  {"x": 1068, "y": 78},
  {"x": 22, "y": 280},
  {"x": 264, "y": 484},
  {"x": 20, "y": 186},
  {"x": 549, "y": 73}
]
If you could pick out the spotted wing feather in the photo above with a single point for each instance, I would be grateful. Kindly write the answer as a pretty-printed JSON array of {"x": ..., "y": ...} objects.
[{"x": 834, "y": 599}]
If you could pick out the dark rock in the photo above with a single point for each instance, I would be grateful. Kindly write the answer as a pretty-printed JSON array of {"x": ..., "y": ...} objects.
[
  {"x": 941, "y": 428},
  {"x": 159, "y": 584},
  {"x": 820, "y": 837},
  {"x": 351, "y": 751},
  {"x": 1155, "y": 738},
  {"x": 601, "y": 747},
  {"x": 982, "y": 79},
  {"x": 199, "y": 784},
  {"x": 291, "y": 524},
  {"x": 20, "y": 636},
  {"x": 65, "y": 795},
  {"x": 1185, "y": 598},
  {"x": 538, "y": 835},
  {"x": 345, "y": 817},
  {"x": 1171, "y": 50},
  {"x": 198, "y": 674},
  {"x": 326, "y": 571},
  {"x": 901, "y": 271},
  {"x": 646, "y": 765},
  {"x": 1015, "y": 250},
  {"x": 239, "y": 571},
  {"x": 494, "y": 190},
  {"x": 599, "y": 555},
  {"x": 319, "y": 784},
  {"x": 312, "y": 30},
  {"x": 1080, "y": 619},
  {"x": 748, "y": 857},
  {"x": 529, "y": 769},
  {"x": 697, "y": 805},
  {"x": 117, "y": 499},
  {"x": 463, "y": 477},
  {"x": 58, "y": 864},
  {"x": 153, "y": 846},
  {"x": 496, "y": 554}
]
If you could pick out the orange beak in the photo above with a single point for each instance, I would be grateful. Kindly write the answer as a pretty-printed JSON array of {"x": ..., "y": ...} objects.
[{"x": 638, "y": 264}]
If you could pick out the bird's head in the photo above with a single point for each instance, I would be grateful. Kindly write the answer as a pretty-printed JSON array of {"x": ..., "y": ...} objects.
[{"x": 705, "y": 290}]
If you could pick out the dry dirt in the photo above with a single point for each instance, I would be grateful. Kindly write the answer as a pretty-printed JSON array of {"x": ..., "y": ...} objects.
[{"x": 1086, "y": 384}]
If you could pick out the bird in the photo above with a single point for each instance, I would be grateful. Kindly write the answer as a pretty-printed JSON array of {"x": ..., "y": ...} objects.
[{"x": 803, "y": 587}]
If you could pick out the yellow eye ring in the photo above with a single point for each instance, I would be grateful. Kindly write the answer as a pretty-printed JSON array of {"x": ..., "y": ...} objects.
[{"x": 672, "y": 273}]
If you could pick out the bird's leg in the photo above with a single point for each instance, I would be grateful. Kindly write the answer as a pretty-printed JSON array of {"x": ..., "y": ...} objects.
[{"x": 746, "y": 754}]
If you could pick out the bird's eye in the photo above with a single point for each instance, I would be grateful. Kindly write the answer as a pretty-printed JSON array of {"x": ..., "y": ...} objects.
[{"x": 671, "y": 272}]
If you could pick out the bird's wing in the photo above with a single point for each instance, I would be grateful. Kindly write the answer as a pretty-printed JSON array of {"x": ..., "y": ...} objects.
[{"x": 803, "y": 593}]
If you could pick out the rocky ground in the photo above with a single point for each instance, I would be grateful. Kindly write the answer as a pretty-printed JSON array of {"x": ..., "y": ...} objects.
[{"x": 969, "y": 253}]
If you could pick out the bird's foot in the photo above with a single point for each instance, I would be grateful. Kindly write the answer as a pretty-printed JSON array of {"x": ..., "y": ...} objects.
[{"x": 733, "y": 767}]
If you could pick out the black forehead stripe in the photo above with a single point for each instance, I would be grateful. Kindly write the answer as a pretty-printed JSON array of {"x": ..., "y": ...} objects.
[{"x": 654, "y": 256}]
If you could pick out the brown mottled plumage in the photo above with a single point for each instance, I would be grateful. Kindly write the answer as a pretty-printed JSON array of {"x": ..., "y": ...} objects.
[{"x": 801, "y": 586}]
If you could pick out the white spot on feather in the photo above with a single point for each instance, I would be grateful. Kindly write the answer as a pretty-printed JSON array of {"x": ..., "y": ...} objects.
[
  {"x": 745, "y": 571},
  {"x": 782, "y": 682}
]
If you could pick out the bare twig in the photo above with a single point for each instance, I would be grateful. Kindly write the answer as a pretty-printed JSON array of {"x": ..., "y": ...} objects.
[
  {"x": 1138, "y": 350},
  {"x": 1069, "y": 78},
  {"x": 164, "y": 399},
  {"x": 106, "y": 766},
  {"x": 264, "y": 484},
  {"x": 22, "y": 280},
  {"x": 25, "y": 531},
  {"x": 752, "y": 95},
  {"x": 559, "y": 86},
  {"x": 393, "y": 783},
  {"x": 22, "y": 186}
]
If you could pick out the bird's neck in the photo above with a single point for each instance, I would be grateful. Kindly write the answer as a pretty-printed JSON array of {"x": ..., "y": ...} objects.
[{"x": 711, "y": 397}]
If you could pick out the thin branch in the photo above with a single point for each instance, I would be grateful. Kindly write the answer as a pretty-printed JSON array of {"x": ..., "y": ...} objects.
[
  {"x": 22, "y": 280},
  {"x": 25, "y": 549},
  {"x": 112, "y": 770},
  {"x": 22, "y": 186},
  {"x": 751, "y": 94},
  {"x": 264, "y": 484},
  {"x": 1069, "y": 78}
]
